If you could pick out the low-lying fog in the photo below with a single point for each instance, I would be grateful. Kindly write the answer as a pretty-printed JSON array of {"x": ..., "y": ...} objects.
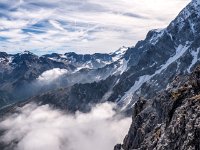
[{"x": 43, "y": 128}]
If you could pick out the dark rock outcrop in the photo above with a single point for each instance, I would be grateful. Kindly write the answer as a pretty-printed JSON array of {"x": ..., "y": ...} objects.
[
  {"x": 170, "y": 120},
  {"x": 162, "y": 55}
]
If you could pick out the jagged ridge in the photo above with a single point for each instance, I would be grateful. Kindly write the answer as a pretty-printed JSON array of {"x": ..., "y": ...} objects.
[{"x": 170, "y": 120}]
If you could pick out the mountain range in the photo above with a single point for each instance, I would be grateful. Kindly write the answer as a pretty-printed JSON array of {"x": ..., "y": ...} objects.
[{"x": 155, "y": 81}]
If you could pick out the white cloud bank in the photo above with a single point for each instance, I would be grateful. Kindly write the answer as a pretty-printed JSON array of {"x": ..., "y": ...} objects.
[
  {"x": 49, "y": 76},
  {"x": 84, "y": 26},
  {"x": 41, "y": 127}
]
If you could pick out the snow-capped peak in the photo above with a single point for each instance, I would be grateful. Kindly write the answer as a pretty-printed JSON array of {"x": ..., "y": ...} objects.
[
  {"x": 119, "y": 53},
  {"x": 158, "y": 33},
  {"x": 121, "y": 50},
  {"x": 26, "y": 52}
]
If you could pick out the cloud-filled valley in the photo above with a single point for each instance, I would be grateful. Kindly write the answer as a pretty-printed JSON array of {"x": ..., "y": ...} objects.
[
  {"x": 35, "y": 127},
  {"x": 82, "y": 26}
]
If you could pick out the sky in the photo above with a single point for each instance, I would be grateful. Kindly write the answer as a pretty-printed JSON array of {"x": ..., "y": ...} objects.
[{"x": 82, "y": 26}]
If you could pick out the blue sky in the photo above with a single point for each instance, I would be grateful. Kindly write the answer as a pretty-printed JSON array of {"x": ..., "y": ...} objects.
[{"x": 83, "y": 26}]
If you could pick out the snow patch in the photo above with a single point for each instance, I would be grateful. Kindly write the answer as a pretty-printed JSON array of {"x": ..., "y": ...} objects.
[
  {"x": 192, "y": 26},
  {"x": 6, "y": 60},
  {"x": 10, "y": 59},
  {"x": 195, "y": 59},
  {"x": 26, "y": 52},
  {"x": 119, "y": 53},
  {"x": 2, "y": 59},
  {"x": 157, "y": 35},
  {"x": 55, "y": 59},
  {"x": 63, "y": 56},
  {"x": 180, "y": 50},
  {"x": 193, "y": 7},
  {"x": 98, "y": 60},
  {"x": 126, "y": 99},
  {"x": 123, "y": 66}
]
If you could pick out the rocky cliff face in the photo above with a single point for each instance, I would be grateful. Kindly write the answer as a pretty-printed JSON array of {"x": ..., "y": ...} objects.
[
  {"x": 168, "y": 121},
  {"x": 155, "y": 61}
]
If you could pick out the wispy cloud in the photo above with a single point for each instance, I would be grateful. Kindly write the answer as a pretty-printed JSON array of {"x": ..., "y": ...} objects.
[
  {"x": 84, "y": 26},
  {"x": 56, "y": 24}
]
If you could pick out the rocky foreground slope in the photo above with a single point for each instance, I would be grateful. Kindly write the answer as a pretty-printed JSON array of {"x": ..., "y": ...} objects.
[{"x": 170, "y": 121}]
